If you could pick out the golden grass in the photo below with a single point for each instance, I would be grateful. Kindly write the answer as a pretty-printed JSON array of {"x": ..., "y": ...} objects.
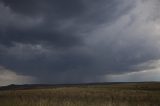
[{"x": 95, "y": 95}]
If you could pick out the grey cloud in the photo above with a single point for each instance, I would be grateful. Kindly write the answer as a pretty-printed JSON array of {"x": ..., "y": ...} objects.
[
  {"x": 54, "y": 8},
  {"x": 8, "y": 76},
  {"x": 9, "y": 18},
  {"x": 79, "y": 41},
  {"x": 44, "y": 30},
  {"x": 36, "y": 36}
]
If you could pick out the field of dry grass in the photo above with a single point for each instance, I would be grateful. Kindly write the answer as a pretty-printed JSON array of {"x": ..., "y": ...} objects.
[{"x": 142, "y": 94}]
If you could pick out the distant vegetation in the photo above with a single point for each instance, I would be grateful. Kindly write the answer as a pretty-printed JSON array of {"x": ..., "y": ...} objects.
[{"x": 125, "y": 94}]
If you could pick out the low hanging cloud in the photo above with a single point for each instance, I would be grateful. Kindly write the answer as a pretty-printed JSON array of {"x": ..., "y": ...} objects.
[
  {"x": 79, "y": 41},
  {"x": 10, "y": 77},
  {"x": 151, "y": 74}
]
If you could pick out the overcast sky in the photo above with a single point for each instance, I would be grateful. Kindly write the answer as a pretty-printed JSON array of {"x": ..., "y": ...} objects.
[{"x": 79, "y": 41}]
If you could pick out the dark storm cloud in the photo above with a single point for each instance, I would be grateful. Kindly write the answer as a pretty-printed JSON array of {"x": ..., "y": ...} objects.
[
  {"x": 46, "y": 32},
  {"x": 69, "y": 41},
  {"x": 59, "y": 8},
  {"x": 34, "y": 36},
  {"x": 52, "y": 13}
]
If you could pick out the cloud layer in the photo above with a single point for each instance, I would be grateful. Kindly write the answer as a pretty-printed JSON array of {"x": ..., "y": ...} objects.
[
  {"x": 10, "y": 77},
  {"x": 74, "y": 41}
]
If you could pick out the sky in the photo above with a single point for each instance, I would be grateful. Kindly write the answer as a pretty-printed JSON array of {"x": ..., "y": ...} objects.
[{"x": 79, "y": 41}]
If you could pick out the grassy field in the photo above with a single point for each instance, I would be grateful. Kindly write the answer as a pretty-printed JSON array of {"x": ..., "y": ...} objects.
[{"x": 133, "y": 94}]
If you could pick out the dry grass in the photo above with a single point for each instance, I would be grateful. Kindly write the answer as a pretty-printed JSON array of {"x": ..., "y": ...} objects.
[{"x": 98, "y": 95}]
